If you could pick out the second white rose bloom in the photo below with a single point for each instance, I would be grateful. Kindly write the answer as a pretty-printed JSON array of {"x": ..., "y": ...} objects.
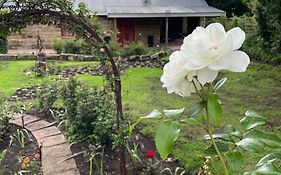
[{"x": 203, "y": 54}]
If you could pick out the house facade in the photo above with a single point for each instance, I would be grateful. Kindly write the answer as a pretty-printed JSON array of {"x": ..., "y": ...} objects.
[{"x": 151, "y": 21}]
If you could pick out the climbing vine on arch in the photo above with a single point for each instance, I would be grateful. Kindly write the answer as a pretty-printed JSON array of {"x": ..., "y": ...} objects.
[{"x": 17, "y": 14}]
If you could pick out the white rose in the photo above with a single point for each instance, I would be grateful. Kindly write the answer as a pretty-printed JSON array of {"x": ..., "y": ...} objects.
[
  {"x": 212, "y": 49},
  {"x": 177, "y": 77}
]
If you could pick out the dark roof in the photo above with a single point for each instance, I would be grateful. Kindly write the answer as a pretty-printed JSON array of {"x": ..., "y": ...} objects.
[{"x": 151, "y": 8}]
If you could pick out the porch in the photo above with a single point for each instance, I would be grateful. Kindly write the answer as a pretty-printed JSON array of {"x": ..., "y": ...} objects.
[{"x": 155, "y": 31}]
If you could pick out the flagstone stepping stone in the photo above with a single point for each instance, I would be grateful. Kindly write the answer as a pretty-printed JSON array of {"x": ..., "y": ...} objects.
[{"x": 55, "y": 150}]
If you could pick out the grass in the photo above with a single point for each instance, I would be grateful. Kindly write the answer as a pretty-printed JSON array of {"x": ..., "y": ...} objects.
[
  {"x": 16, "y": 74},
  {"x": 13, "y": 77},
  {"x": 258, "y": 89}
]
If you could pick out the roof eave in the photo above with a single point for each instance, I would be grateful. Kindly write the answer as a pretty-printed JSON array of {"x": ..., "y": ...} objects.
[{"x": 160, "y": 15}]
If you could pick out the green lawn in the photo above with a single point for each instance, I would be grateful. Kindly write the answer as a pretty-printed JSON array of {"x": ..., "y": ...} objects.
[
  {"x": 258, "y": 89},
  {"x": 16, "y": 74}
]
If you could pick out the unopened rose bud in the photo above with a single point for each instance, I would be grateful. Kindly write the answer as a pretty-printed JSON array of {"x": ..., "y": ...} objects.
[{"x": 102, "y": 50}]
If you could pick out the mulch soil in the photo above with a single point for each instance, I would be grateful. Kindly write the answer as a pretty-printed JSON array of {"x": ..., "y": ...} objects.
[
  {"x": 112, "y": 162},
  {"x": 11, "y": 164}
]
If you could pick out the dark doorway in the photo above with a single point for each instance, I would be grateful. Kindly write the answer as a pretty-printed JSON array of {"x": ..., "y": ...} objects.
[
  {"x": 192, "y": 23},
  {"x": 175, "y": 29}
]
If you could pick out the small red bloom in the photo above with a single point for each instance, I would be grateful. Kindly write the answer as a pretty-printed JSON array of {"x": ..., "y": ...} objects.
[
  {"x": 36, "y": 156},
  {"x": 22, "y": 166},
  {"x": 26, "y": 160},
  {"x": 150, "y": 153}
]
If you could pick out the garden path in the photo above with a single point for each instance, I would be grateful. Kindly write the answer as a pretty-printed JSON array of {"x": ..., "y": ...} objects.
[{"x": 55, "y": 149}]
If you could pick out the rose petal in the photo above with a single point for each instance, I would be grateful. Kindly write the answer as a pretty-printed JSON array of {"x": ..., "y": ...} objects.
[
  {"x": 184, "y": 89},
  {"x": 237, "y": 61},
  {"x": 226, "y": 47},
  {"x": 197, "y": 60},
  {"x": 206, "y": 75},
  {"x": 195, "y": 42},
  {"x": 216, "y": 31},
  {"x": 238, "y": 37}
]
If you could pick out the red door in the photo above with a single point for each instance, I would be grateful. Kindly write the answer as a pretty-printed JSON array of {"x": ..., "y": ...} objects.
[{"x": 126, "y": 28}]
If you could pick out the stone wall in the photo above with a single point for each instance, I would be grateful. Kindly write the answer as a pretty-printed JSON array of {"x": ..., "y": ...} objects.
[
  {"x": 65, "y": 57},
  {"x": 77, "y": 57},
  {"x": 148, "y": 27},
  {"x": 27, "y": 39}
]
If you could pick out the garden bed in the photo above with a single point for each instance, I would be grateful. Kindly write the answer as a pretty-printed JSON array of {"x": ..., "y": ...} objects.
[
  {"x": 149, "y": 165},
  {"x": 17, "y": 158}
]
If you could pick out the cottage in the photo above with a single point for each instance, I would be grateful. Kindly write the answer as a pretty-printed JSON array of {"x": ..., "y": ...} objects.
[{"x": 150, "y": 21}]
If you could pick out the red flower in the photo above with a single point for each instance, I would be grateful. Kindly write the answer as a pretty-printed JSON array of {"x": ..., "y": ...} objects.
[
  {"x": 36, "y": 156},
  {"x": 150, "y": 153},
  {"x": 22, "y": 166},
  {"x": 26, "y": 160}
]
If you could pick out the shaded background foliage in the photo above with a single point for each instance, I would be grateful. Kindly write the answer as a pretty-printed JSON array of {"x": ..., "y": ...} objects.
[{"x": 231, "y": 7}]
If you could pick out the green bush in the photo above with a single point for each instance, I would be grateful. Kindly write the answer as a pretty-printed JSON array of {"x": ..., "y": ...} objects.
[
  {"x": 257, "y": 48},
  {"x": 247, "y": 23},
  {"x": 77, "y": 46},
  {"x": 47, "y": 97},
  {"x": 5, "y": 117},
  {"x": 58, "y": 45},
  {"x": 4, "y": 123},
  {"x": 3, "y": 44},
  {"x": 134, "y": 48},
  {"x": 89, "y": 113}
]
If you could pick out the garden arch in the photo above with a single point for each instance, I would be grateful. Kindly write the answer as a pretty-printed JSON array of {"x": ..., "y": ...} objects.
[{"x": 17, "y": 14}]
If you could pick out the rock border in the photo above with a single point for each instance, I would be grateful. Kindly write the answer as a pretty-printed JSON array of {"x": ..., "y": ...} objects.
[
  {"x": 62, "y": 57},
  {"x": 55, "y": 150}
]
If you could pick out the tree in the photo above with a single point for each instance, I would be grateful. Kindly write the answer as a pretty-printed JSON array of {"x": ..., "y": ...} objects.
[
  {"x": 232, "y": 7},
  {"x": 268, "y": 15}
]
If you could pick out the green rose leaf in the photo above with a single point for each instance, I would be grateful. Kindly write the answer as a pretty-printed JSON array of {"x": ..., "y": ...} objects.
[
  {"x": 210, "y": 150},
  {"x": 271, "y": 140},
  {"x": 229, "y": 129},
  {"x": 252, "y": 120},
  {"x": 196, "y": 109},
  {"x": 269, "y": 158},
  {"x": 174, "y": 112},
  {"x": 133, "y": 126},
  {"x": 218, "y": 136},
  {"x": 235, "y": 160},
  {"x": 214, "y": 109},
  {"x": 250, "y": 173},
  {"x": 194, "y": 121},
  {"x": 153, "y": 114},
  {"x": 167, "y": 133},
  {"x": 219, "y": 84},
  {"x": 268, "y": 169},
  {"x": 250, "y": 145}
]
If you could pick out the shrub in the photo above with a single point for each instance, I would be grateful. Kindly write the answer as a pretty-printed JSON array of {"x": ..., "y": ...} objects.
[
  {"x": 5, "y": 116},
  {"x": 89, "y": 113},
  {"x": 58, "y": 45},
  {"x": 77, "y": 46},
  {"x": 4, "y": 122},
  {"x": 247, "y": 23},
  {"x": 3, "y": 44},
  {"x": 47, "y": 97},
  {"x": 134, "y": 48},
  {"x": 256, "y": 47}
]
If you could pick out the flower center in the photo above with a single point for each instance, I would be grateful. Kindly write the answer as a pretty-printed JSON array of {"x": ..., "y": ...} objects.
[{"x": 214, "y": 52}]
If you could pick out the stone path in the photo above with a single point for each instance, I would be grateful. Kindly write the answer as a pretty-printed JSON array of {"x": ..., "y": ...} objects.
[{"x": 55, "y": 150}]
